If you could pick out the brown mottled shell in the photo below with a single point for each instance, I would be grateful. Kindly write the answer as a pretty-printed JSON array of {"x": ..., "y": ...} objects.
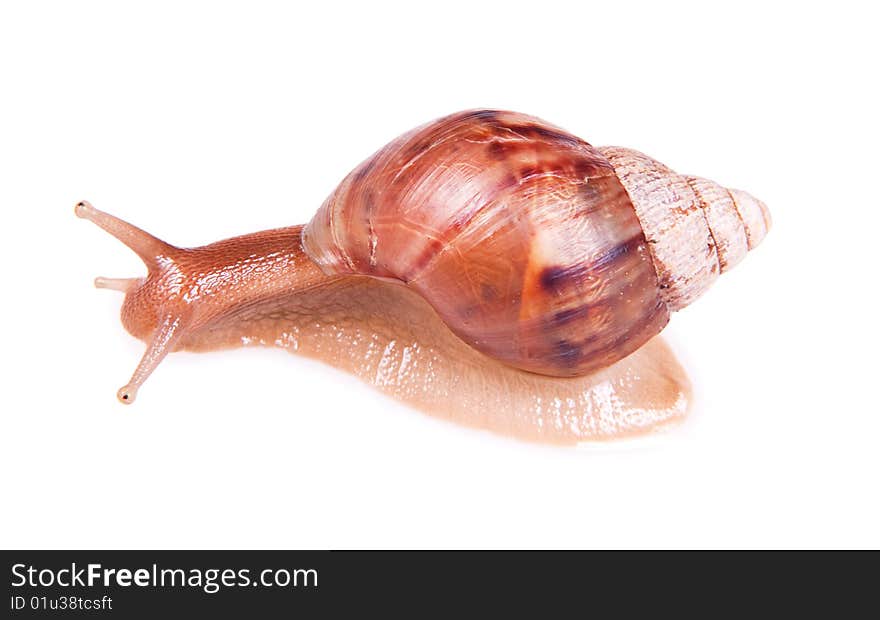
[{"x": 519, "y": 234}]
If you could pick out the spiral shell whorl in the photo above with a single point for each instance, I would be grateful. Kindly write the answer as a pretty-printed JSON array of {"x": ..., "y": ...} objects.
[
  {"x": 520, "y": 236},
  {"x": 696, "y": 229}
]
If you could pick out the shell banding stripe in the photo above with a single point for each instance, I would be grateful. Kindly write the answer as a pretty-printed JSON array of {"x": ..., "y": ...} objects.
[
  {"x": 725, "y": 224},
  {"x": 519, "y": 234}
]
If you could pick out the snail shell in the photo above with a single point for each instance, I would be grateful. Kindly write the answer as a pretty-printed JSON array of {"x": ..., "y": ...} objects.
[{"x": 533, "y": 246}]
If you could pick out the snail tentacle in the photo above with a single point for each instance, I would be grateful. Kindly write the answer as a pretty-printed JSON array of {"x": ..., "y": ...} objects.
[
  {"x": 116, "y": 284},
  {"x": 165, "y": 338},
  {"x": 145, "y": 245}
]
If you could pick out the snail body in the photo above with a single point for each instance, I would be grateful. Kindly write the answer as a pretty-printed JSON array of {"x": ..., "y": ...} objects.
[{"x": 544, "y": 254}]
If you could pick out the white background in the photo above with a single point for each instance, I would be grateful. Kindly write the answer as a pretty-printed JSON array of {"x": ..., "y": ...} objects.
[{"x": 198, "y": 122}]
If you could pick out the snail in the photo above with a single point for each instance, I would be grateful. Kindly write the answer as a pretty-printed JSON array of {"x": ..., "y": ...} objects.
[{"x": 487, "y": 261}]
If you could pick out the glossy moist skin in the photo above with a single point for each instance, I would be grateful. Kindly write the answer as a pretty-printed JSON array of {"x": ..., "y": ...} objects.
[
  {"x": 519, "y": 235},
  {"x": 263, "y": 289},
  {"x": 389, "y": 337}
]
